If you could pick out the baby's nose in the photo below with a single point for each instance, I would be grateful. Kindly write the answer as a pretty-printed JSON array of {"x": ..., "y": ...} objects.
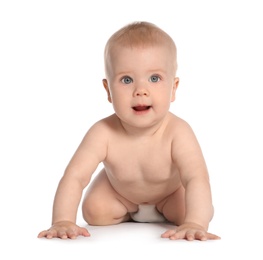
[{"x": 141, "y": 92}]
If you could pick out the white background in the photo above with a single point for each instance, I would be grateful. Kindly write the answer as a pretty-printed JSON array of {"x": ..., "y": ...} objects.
[{"x": 51, "y": 67}]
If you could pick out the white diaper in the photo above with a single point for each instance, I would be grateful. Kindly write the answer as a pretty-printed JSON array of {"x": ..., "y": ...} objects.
[{"x": 147, "y": 213}]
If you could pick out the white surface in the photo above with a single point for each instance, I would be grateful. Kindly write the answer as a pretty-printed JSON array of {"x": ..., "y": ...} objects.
[{"x": 51, "y": 66}]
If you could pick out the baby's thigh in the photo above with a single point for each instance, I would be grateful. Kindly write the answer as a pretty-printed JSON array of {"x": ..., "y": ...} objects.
[
  {"x": 173, "y": 206},
  {"x": 102, "y": 205}
]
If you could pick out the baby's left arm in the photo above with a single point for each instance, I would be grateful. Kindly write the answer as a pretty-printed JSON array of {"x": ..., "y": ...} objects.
[{"x": 189, "y": 159}]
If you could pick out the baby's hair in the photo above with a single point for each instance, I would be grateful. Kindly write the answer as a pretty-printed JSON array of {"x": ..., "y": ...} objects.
[{"x": 139, "y": 34}]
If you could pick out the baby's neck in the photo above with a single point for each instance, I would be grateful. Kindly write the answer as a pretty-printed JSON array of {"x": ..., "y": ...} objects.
[{"x": 149, "y": 131}]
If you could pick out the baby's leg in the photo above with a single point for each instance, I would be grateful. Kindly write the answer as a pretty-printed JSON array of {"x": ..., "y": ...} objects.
[
  {"x": 102, "y": 205},
  {"x": 173, "y": 206}
]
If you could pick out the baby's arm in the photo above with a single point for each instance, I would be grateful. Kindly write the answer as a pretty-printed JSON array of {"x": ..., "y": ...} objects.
[
  {"x": 199, "y": 210},
  {"x": 89, "y": 154}
]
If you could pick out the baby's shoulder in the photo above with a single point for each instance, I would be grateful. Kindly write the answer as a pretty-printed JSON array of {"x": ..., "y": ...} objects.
[
  {"x": 105, "y": 125},
  {"x": 182, "y": 134},
  {"x": 177, "y": 125}
]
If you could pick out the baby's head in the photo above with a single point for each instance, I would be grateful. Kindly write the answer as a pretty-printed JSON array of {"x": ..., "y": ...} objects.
[
  {"x": 140, "y": 67},
  {"x": 139, "y": 35}
]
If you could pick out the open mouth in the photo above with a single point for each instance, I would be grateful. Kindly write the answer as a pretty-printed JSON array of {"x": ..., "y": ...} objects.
[{"x": 141, "y": 108}]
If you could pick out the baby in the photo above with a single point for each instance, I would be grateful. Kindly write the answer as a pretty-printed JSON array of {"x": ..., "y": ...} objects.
[{"x": 154, "y": 169}]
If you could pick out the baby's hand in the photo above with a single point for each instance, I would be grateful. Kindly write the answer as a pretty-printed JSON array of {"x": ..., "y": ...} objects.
[
  {"x": 189, "y": 231},
  {"x": 64, "y": 230}
]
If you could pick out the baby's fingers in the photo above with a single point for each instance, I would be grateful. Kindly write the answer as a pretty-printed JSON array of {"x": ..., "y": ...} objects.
[
  {"x": 183, "y": 234},
  {"x": 48, "y": 234},
  {"x": 212, "y": 236},
  {"x": 64, "y": 234},
  {"x": 72, "y": 234},
  {"x": 168, "y": 233},
  {"x": 189, "y": 235},
  {"x": 84, "y": 232},
  {"x": 173, "y": 234},
  {"x": 61, "y": 234},
  {"x": 42, "y": 234}
]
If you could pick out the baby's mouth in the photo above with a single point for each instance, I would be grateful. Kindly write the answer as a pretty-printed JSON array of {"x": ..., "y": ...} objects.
[{"x": 141, "y": 108}]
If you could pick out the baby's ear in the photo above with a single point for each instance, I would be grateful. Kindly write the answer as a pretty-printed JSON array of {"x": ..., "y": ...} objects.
[
  {"x": 175, "y": 86},
  {"x": 105, "y": 84}
]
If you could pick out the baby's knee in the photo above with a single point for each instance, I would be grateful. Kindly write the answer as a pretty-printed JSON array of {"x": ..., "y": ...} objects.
[
  {"x": 93, "y": 212},
  {"x": 100, "y": 212},
  {"x": 96, "y": 212}
]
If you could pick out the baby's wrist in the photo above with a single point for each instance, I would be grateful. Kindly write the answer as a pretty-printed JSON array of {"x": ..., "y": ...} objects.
[{"x": 195, "y": 225}]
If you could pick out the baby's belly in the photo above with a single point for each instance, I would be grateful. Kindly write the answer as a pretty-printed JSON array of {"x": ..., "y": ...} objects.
[{"x": 142, "y": 192}]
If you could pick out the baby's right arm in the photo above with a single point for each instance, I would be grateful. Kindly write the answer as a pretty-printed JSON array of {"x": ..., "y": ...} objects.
[{"x": 89, "y": 154}]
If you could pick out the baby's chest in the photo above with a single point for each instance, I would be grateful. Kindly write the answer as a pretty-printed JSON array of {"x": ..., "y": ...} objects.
[
  {"x": 151, "y": 161},
  {"x": 140, "y": 152}
]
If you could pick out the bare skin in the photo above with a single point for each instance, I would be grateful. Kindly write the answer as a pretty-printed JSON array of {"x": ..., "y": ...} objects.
[
  {"x": 150, "y": 156},
  {"x": 141, "y": 183}
]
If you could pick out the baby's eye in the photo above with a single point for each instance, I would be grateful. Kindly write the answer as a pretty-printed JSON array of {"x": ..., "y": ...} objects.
[
  {"x": 154, "y": 78},
  {"x": 126, "y": 80}
]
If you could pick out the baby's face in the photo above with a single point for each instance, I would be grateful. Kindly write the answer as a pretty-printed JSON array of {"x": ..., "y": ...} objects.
[{"x": 141, "y": 84}]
